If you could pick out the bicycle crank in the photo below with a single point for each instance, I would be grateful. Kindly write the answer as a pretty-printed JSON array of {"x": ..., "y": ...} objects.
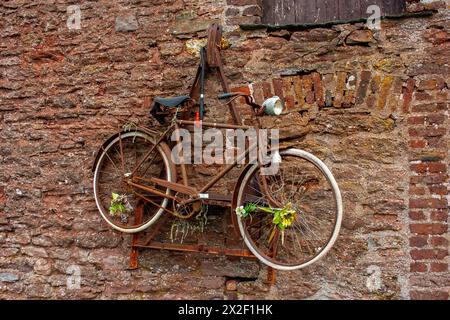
[{"x": 186, "y": 207}]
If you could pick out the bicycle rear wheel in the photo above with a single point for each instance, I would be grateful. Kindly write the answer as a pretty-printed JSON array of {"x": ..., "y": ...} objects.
[
  {"x": 305, "y": 196},
  {"x": 115, "y": 164}
]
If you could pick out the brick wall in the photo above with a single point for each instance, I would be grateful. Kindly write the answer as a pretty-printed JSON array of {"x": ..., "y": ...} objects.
[
  {"x": 428, "y": 190},
  {"x": 374, "y": 105}
]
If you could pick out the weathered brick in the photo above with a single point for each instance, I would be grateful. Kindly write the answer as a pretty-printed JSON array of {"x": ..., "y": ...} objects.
[
  {"x": 439, "y": 215},
  {"x": 408, "y": 91},
  {"x": 418, "y": 241},
  {"x": 429, "y": 295},
  {"x": 428, "y": 228},
  {"x": 428, "y": 254},
  {"x": 417, "y": 215},
  {"x": 439, "y": 241},
  {"x": 418, "y": 267},
  {"x": 429, "y": 107},
  {"x": 422, "y": 96},
  {"x": 433, "y": 167},
  {"x": 427, "y": 203},
  {"x": 252, "y": 11},
  {"x": 416, "y": 191},
  {"x": 417, "y": 144},
  {"x": 363, "y": 86},
  {"x": 439, "y": 267}
]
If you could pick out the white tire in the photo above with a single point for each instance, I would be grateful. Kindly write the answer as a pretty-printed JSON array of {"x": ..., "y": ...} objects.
[
  {"x": 337, "y": 195},
  {"x": 96, "y": 174}
]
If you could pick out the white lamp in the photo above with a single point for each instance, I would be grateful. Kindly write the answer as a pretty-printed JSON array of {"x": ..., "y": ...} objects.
[{"x": 273, "y": 106}]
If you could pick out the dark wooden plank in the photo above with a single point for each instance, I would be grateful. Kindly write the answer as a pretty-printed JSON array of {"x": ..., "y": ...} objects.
[
  {"x": 268, "y": 12},
  {"x": 284, "y": 12},
  {"x": 401, "y": 7},
  {"x": 365, "y": 4},
  {"x": 280, "y": 12},
  {"x": 321, "y": 7},
  {"x": 392, "y": 7},
  {"x": 332, "y": 10},
  {"x": 306, "y": 11},
  {"x": 386, "y": 6},
  {"x": 349, "y": 9}
]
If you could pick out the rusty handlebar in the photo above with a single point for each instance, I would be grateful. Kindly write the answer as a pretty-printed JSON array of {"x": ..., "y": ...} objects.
[{"x": 257, "y": 109}]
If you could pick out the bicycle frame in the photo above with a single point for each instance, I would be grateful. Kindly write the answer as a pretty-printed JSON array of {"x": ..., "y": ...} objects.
[{"x": 184, "y": 187}]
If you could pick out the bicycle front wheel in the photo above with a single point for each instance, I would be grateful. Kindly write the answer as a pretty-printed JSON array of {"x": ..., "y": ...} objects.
[
  {"x": 116, "y": 200},
  {"x": 291, "y": 217}
]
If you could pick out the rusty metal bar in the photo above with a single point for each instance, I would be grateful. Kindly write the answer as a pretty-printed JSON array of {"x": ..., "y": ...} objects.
[
  {"x": 228, "y": 168},
  {"x": 198, "y": 248},
  {"x": 138, "y": 212},
  {"x": 171, "y": 185},
  {"x": 182, "y": 165},
  {"x": 219, "y": 197},
  {"x": 226, "y": 88},
  {"x": 271, "y": 275},
  {"x": 214, "y": 124},
  {"x": 151, "y": 190}
]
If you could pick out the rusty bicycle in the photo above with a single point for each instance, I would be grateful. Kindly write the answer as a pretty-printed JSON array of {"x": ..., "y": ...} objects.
[{"x": 288, "y": 218}]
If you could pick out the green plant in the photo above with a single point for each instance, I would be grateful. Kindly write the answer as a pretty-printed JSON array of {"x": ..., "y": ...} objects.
[
  {"x": 282, "y": 217},
  {"x": 120, "y": 206}
]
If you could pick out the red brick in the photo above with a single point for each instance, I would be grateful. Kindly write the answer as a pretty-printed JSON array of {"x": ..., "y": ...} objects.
[
  {"x": 318, "y": 89},
  {"x": 428, "y": 228},
  {"x": 417, "y": 144},
  {"x": 2, "y": 195},
  {"x": 429, "y": 179},
  {"x": 418, "y": 241},
  {"x": 439, "y": 267},
  {"x": 258, "y": 92},
  {"x": 441, "y": 215},
  {"x": 436, "y": 142},
  {"x": 427, "y": 132},
  {"x": 435, "y": 119},
  {"x": 442, "y": 96},
  {"x": 364, "y": 84},
  {"x": 439, "y": 241},
  {"x": 428, "y": 254},
  {"x": 433, "y": 167},
  {"x": 418, "y": 267},
  {"x": 417, "y": 215},
  {"x": 243, "y": 89},
  {"x": 438, "y": 190},
  {"x": 430, "y": 84},
  {"x": 278, "y": 87},
  {"x": 308, "y": 89},
  {"x": 422, "y": 96},
  {"x": 252, "y": 11},
  {"x": 267, "y": 90},
  {"x": 407, "y": 92},
  {"x": 289, "y": 102},
  {"x": 416, "y": 120},
  {"x": 429, "y": 107},
  {"x": 428, "y": 203},
  {"x": 429, "y": 295}
]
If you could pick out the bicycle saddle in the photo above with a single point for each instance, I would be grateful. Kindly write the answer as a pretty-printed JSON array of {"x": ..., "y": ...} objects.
[{"x": 171, "y": 102}]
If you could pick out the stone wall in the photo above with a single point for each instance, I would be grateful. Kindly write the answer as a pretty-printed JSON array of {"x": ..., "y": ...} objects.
[{"x": 374, "y": 105}]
